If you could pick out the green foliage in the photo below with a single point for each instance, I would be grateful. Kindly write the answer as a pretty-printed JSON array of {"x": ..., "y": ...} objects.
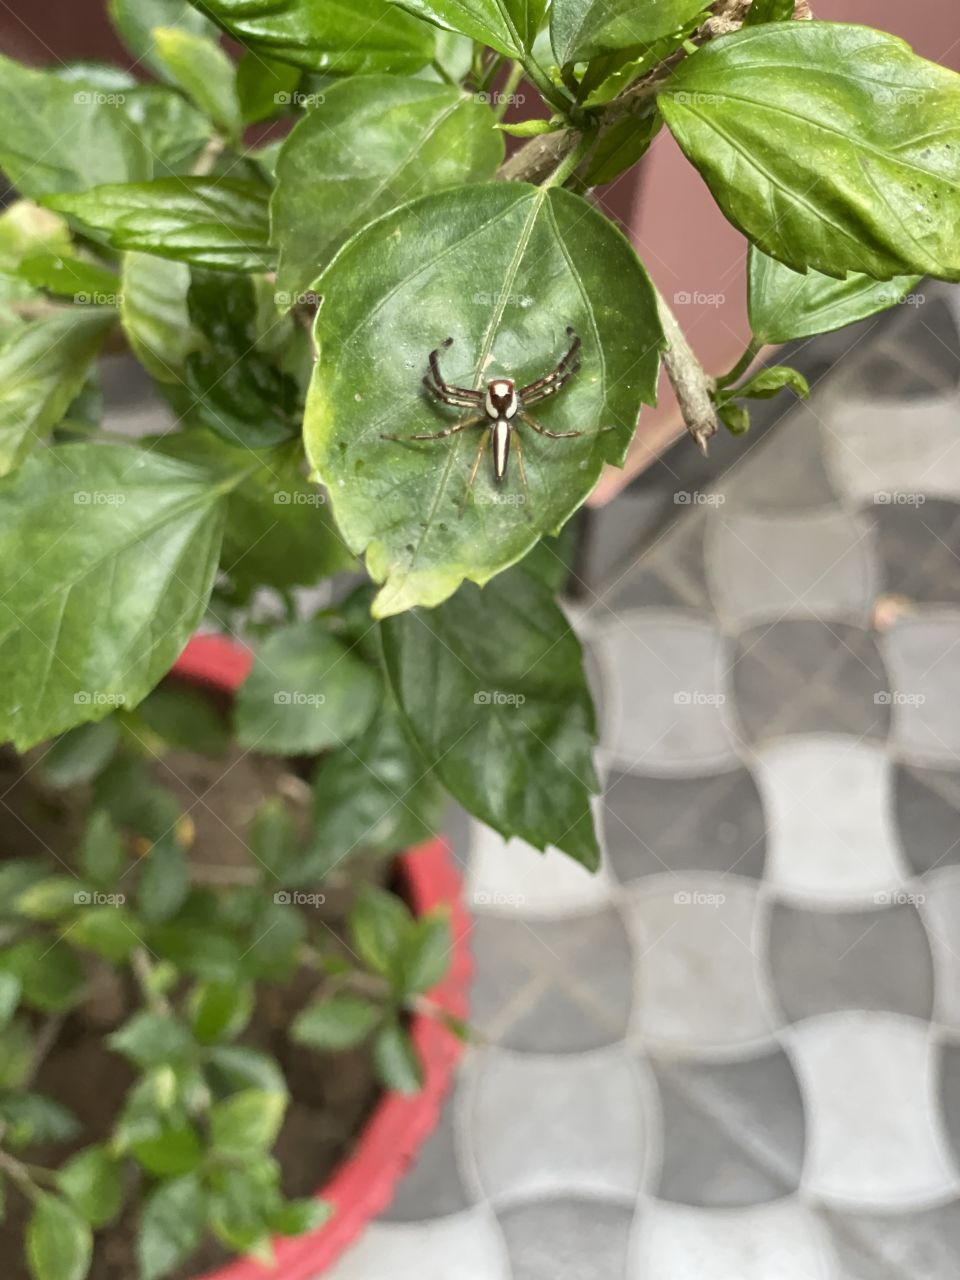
[
  {"x": 581, "y": 29},
  {"x": 509, "y": 26},
  {"x": 59, "y": 1241},
  {"x": 204, "y": 72}
]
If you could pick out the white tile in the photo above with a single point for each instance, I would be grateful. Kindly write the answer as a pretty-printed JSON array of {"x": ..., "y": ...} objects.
[
  {"x": 941, "y": 915},
  {"x": 780, "y": 1241},
  {"x": 512, "y": 878},
  {"x": 831, "y": 834},
  {"x": 699, "y": 962},
  {"x": 470, "y": 1241},
  {"x": 923, "y": 657},
  {"x": 559, "y": 1124},
  {"x": 874, "y": 1134}
]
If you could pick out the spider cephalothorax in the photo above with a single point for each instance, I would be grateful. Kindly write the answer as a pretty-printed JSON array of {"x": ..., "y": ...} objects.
[{"x": 501, "y": 407}]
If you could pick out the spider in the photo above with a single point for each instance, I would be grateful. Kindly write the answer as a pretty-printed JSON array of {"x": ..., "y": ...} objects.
[{"x": 501, "y": 405}]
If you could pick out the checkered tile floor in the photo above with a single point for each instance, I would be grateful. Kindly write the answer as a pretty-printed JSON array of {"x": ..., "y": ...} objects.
[{"x": 735, "y": 1053}]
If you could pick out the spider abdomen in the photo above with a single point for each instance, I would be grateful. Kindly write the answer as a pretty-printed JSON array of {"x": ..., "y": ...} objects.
[{"x": 501, "y": 448}]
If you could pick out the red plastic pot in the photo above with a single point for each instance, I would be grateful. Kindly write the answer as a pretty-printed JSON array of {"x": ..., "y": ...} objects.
[{"x": 364, "y": 1184}]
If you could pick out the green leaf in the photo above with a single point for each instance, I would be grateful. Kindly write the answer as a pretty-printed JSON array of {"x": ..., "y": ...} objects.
[
  {"x": 220, "y": 1010},
  {"x": 265, "y": 87},
  {"x": 828, "y": 145},
  {"x": 247, "y": 1124},
  {"x": 220, "y": 223},
  {"x": 581, "y": 29},
  {"x": 16, "y": 1054},
  {"x": 735, "y": 417},
  {"x": 204, "y": 72},
  {"x": 530, "y": 128},
  {"x": 200, "y": 950},
  {"x": 164, "y": 881},
  {"x": 71, "y": 277},
  {"x": 174, "y": 131},
  {"x": 107, "y": 555},
  {"x": 377, "y": 794},
  {"x": 92, "y": 1181},
  {"x": 768, "y": 382},
  {"x": 769, "y": 11},
  {"x": 186, "y": 719},
  {"x": 69, "y": 139},
  {"x": 171, "y": 1225},
  {"x": 109, "y": 931},
  {"x": 505, "y": 269},
  {"x": 785, "y": 304},
  {"x": 621, "y": 146},
  {"x": 381, "y": 928},
  {"x": 155, "y": 316},
  {"x": 338, "y": 1022},
  {"x": 32, "y": 1118},
  {"x": 396, "y": 1060},
  {"x": 306, "y": 692},
  {"x": 333, "y": 36},
  {"x": 10, "y": 991},
  {"x": 50, "y": 898},
  {"x": 135, "y": 21},
  {"x": 372, "y": 144},
  {"x": 150, "y": 1039},
  {"x": 297, "y": 1217},
  {"x": 509, "y": 26},
  {"x": 43, "y": 365},
  {"x": 497, "y": 676},
  {"x": 26, "y": 229},
  {"x": 78, "y": 756},
  {"x": 101, "y": 854},
  {"x": 427, "y": 953},
  {"x": 277, "y": 935},
  {"x": 272, "y": 837},
  {"x": 17, "y": 875},
  {"x": 241, "y": 1066},
  {"x": 172, "y": 1152},
  {"x": 59, "y": 1242},
  {"x": 51, "y": 975}
]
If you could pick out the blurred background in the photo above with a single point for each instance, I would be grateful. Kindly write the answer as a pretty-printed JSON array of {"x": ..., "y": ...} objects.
[{"x": 735, "y": 1053}]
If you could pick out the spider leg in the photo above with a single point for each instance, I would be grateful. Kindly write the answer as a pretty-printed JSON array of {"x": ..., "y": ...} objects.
[
  {"x": 554, "y": 435},
  {"x": 522, "y": 470},
  {"x": 473, "y": 472},
  {"x": 557, "y": 378},
  {"x": 447, "y": 431},
  {"x": 443, "y": 390}
]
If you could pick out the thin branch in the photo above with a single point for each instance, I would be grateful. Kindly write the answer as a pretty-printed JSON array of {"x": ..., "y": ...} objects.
[{"x": 691, "y": 383}]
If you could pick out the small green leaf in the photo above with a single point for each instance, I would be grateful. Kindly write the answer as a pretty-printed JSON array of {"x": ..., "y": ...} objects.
[
  {"x": 135, "y": 21},
  {"x": 396, "y": 1060},
  {"x": 735, "y": 417},
  {"x": 150, "y": 1039},
  {"x": 50, "y": 899},
  {"x": 26, "y": 229},
  {"x": 277, "y": 934},
  {"x": 171, "y": 1225},
  {"x": 220, "y": 223},
  {"x": 265, "y": 87},
  {"x": 186, "y": 719},
  {"x": 621, "y": 146},
  {"x": 43, "y": 366},
  {"x": 509, "y": 26},
  {"x": 59, "y": 1242},
  {"x": 109, "y": 931},
  {"x": 171, "y": 1153},
  {"x": 50, "y": 973},
  {"x": 506, "y": 269},
  {"x": 164, "y": 881},
  {"x": 78, "y": 756},
  {"x": 32, "y": 1118},
  {"x": 10, "y": 991},
  {"x": 373, "y": 143},
  {"x": 338, "y": 1022},
  {"x": 16, "y": 1054},
  {"x": 126, "y": 543},
  {"x": 197, "y": 948},
  {"x": 768, "y": 382},
  {"x": 220, "y": 1010},
  {"x": 530, "y": 128},
  {"x": 581, "y": 29},
  {"x": 154, "y": 314},
  {"x": 247, "y": 1124},
  {"x": 497, "y": 675},
  {"x": 241, "y": 1066},
  {"x": 306, "y": 692},
  {"x": 71, "y": 277},
  {"x": 297, "y": 1217},
  {"x": 101, "y": 854},
  {"x": 92, "y": 1181},
  {"x": 381, "y": 927},
  {"x": 204, "y": 72},
  {"x": 828, "y": 145},
  {"x": 427, "y": 953},
  {"x": 786, "y": 304},
  {"x": 333, "y": 37}
]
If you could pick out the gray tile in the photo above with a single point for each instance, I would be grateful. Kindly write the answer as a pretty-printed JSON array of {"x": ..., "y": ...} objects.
[
  {"x": 652, "y": 825},
  {"x": 808, "y": 677},
  {"x": 918, "y": 547},
  {"x": 668, "y": 571},
  {"x": 814, "y": 564},
  {"x": 433, "y": 1185},
  {"x": 928, "y": 816},
  {"x": 941, "y": 915},
  {"x": 897, "y": 1246},
  {"x": 822, "y": 961},
  {"x": 555, "y": 986},
  {"x": 923, "y": 657},
  {"x": 567, "y": 1239},
  {"x": 466, "y": 1245},
  {"x": 786, "y": 472},
  {"x": 543, "y": 1125},
  {"x": 732, "y": 1132},
  {"x": 950, "y": 1093}
]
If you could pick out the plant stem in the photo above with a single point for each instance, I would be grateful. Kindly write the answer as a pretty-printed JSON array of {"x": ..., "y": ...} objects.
[
  {"x": 508, "y": 90},
  {"x": 143, "y": 972},
  {"x": 19, "y": 1175},
  {"x": 691, "y": 383},
  {"x": 443, "y": 73},
  {"x": 742, "y": 365},
  {"x": 572, "y": 161}
]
